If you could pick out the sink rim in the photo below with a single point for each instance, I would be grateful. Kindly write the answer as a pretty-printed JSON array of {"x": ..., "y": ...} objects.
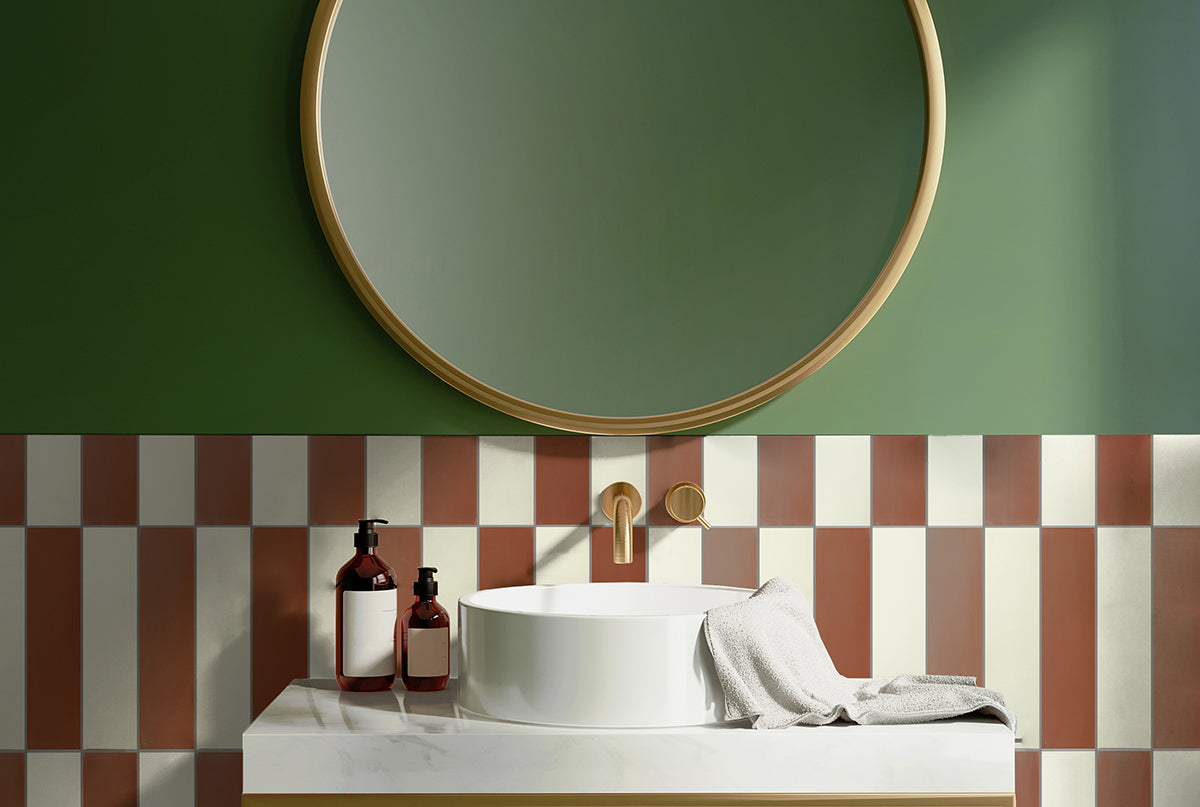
[{"x": 471, "y": 600}]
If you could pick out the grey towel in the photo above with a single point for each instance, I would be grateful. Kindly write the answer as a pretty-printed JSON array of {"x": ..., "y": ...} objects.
[{"x": 775, "y": 669}]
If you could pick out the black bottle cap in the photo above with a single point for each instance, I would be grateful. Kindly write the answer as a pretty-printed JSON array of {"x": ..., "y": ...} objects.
[
  {"x": 366, "y": 537},
  {"x": 425, "y": 585}
]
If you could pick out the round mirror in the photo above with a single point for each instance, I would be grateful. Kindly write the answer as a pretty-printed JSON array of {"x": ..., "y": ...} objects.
[{"x": 623, "y": 216}]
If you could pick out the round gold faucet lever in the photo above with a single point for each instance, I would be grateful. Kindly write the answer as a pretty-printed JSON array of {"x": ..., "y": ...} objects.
[{"x": 685, "y": 503}]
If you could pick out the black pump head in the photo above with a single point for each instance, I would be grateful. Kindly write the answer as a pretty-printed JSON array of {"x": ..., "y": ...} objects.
[
  {"x": 366, "y": 537},
  {"x": 425, "y": 585}
]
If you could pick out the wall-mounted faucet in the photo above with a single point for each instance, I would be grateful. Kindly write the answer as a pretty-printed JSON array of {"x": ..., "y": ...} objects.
[{"x": 620, "y": 501}]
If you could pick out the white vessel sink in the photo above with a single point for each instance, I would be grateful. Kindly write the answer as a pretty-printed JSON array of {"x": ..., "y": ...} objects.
[{"x": 617, "y": 655}]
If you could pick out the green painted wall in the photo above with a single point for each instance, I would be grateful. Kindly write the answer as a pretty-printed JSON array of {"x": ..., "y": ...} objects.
[{"x": 163, "y": 270}]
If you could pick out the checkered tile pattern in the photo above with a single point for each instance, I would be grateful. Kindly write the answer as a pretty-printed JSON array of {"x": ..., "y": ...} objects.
[{"x": 158, "y": 591}]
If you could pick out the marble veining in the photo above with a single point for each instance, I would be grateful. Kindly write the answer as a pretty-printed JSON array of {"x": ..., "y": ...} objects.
[{"x": 316, "y": 739}]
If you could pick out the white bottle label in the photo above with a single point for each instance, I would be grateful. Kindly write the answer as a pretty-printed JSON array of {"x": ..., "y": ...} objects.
[
  {"x": 428, "y": 652},
  {"x": 369, "y": 633}
]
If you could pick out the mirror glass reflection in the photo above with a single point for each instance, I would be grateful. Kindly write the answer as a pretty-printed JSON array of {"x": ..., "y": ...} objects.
[{"x": 621, "y": 208}]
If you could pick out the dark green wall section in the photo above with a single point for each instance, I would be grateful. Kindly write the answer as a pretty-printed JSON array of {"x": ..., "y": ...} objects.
[{"x": 163, "y": 271}]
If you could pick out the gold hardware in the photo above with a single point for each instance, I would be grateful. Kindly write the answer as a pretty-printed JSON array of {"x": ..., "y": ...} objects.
[
  {"x": 629, "y": 800},
  {"x": 620, "y": 501},
  {"x": 685, "y": 503}
]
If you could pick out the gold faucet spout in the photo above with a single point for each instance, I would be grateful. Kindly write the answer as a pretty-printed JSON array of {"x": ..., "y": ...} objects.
[{"x": 621, "y": 502}]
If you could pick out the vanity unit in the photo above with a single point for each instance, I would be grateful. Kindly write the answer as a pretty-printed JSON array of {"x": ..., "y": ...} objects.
[{"x": 317, "y": 746}]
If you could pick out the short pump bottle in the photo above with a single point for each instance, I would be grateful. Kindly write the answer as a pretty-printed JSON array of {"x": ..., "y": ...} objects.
[
  {"x": 367, "y": 600},
  {"x": 425, "y": 638}
]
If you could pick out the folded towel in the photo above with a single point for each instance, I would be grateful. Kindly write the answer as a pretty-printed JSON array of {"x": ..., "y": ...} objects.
[{"x": 775, "y": 669}]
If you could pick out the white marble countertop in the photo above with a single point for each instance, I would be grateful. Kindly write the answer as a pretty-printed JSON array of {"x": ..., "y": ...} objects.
[{"x": 314, "y": 738}]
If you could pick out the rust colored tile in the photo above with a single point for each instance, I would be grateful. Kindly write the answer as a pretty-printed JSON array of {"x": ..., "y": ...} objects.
[
  {"x": 729, "y": 557},
  {"x": 1068, "y": 637},
  {"x": 671, "y": 459},
  {"x": 954, "y": 601},
  {"x": 278, "y": 611},
  {"x": 12, "y": 777},
  {"x": 109, "y": 779},
  {"x": 898, "y": 472},
  {"x": 337, "y": 479},
  {"x": 219, "y": 778},
  {"x": 506, "y": 556},
  {"x": 1124, "y": 480},
  {"x": 1029, "y": 778},
  {"x": 1176, "y": 629},
  {"x": 1012, "y": 480},
  {"x": 110, "y": 479},
  {"x": 842, "y": 596},
  {"x": 603, "y": 568},
  {"x": 223, "y": 479},
  {"x": 53, "y": 627},
  {"x": 12, "y": 479},
  {"x": 1123, "y": 779},
  {"x": 563, "y": 480},
  {"x": 400, "y": 548},
  {"x": 166, "y": 637},
  {"x": 785, "y": 481},
  {"x": 449, "y": 480}
]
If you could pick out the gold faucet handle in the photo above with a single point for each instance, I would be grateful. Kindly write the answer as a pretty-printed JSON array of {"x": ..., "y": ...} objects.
[{"x": 685, "y": 503}]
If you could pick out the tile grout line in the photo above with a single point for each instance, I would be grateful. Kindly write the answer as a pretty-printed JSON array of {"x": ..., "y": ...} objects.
[
  {"x": 1153, "y": 531},
  {"x": 1096, "y": 619},
  {"x": 195, "y": 622}
]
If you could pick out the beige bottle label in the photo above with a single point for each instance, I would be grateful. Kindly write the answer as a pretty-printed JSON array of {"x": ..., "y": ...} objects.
[
  {"x": 368, "y": 633},
  {"x": 428, "y": 652}
]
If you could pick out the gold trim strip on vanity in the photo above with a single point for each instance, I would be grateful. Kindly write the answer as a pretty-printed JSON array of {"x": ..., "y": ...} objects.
[{"x": 632, "y": 800}]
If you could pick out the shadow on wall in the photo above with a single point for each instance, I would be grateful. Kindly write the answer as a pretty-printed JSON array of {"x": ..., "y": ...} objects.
[
  {"x": 1156, "y": 173},
  {"x": 1072, "y": 124}
]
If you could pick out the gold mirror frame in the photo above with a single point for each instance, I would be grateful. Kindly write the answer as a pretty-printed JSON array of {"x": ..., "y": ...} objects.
[{"x": 906, "y": 244}]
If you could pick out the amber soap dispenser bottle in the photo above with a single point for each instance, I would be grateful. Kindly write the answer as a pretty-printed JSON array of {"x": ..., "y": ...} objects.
[
  {"x": 367, "y": 600},
  {"x": 425, "y": 638}
]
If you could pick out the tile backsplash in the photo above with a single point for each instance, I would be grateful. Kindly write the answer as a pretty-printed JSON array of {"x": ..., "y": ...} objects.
[{"x": 159, "y": 591}]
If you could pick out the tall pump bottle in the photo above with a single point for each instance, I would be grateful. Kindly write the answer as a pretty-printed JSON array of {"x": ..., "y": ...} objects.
[
  {"x": 425, "y": 638},
  {"x": 367, "y": 601}
]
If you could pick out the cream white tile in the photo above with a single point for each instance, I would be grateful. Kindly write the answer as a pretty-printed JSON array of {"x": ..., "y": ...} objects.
[
  {"x": 674, "y": 555},
  {"x": 109, "y": 641},
  {"x": 12, "y": 638},
  {"x": 166, "y": 779},
  {"x": 842, "y": 467},
  {"x": 167, "y": 480},
  {"x": 787, "y": 552},
  {"x": 1069, "y": 480},
  {"x": 394, "y": 479},
  {"x": 53, "y": 779},
  {"x": 562, "y": 555},
  {"x": 618, "y": 459},
  {"x": 52, "y": 480},
  {"x": 1176, "y": 777},
  {"x": 506, "y": 480},
  {"x": 280, "y": 481},
  {"x": 1068, "y": 779},
  {"x": 223, "y": 622},
  {"x": 1176, "y": 479},
  {"x": 955, "y": 482},
  {"x": 1012, "y": 624},
  {"x": 328, "y": 549},
  {"x": 454, "y": 551},
  {"x": 731, "y": 480},
  {"x": 1123, "y": 651},
  {"x": 897, "y": 601}
]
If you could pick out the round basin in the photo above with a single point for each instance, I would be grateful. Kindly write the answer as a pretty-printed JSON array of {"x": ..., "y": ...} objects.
[{"x": 616, "y": 655}]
